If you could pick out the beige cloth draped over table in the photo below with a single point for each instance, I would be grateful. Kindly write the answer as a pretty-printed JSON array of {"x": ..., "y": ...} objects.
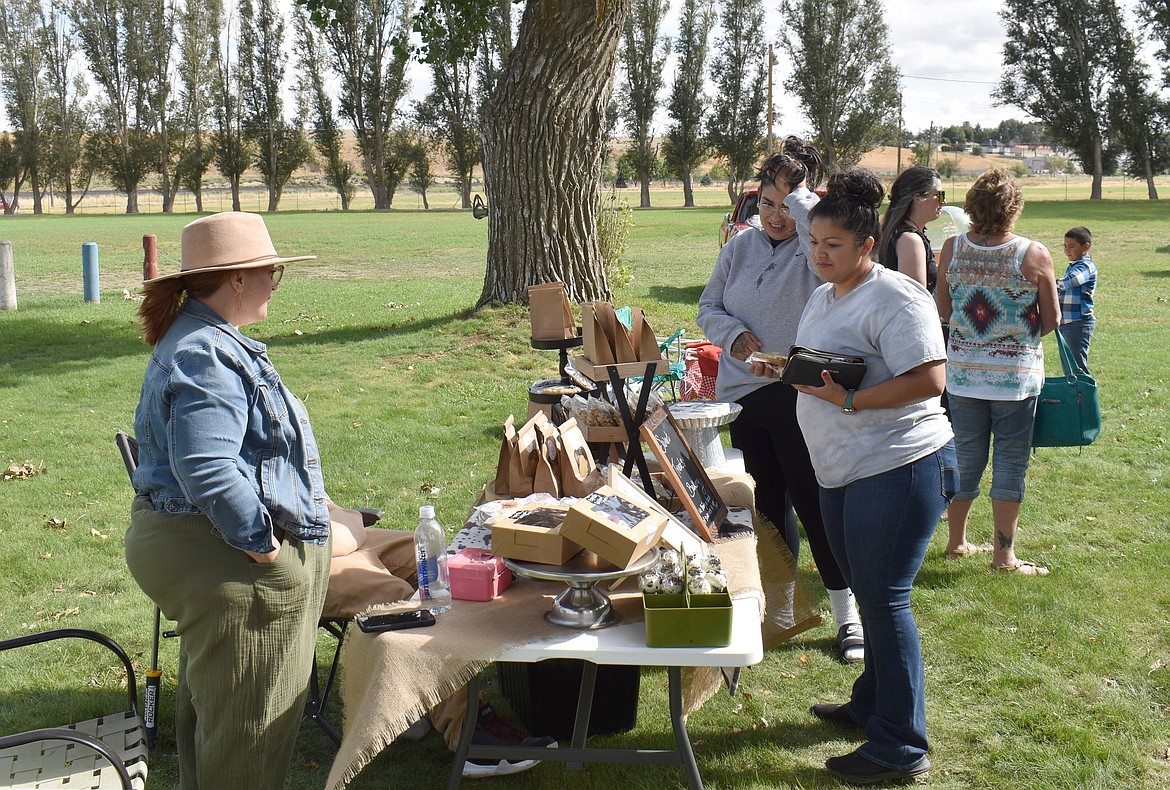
[{"x": 390, "y": 680}]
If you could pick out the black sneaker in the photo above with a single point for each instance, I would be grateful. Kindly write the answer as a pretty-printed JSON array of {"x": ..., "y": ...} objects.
[{"x": 491, "y": 729}]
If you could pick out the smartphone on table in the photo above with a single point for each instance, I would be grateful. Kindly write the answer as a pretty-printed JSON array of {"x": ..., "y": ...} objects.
[{"x": 395, "y": 621}]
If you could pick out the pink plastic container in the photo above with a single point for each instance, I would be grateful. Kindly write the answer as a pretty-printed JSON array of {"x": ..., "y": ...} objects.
[{"x": 477, "y": 575}]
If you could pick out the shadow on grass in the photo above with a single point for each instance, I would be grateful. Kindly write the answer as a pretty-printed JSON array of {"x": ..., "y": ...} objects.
[
  {"x": 31, "y": 346},
  {"x": 1160, "y": 273},
  {"x": 669, "y": 293},
  {"x": 367, "y": 332}
]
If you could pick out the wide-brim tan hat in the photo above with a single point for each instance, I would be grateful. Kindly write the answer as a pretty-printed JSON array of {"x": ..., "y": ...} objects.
[{"x": 225, "y": 241}]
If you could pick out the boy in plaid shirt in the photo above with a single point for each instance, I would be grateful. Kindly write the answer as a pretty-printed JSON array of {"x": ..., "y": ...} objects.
[{"x": 1077, "y": 320}]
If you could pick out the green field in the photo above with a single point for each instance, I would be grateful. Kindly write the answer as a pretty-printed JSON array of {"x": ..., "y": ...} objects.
[{"x": 1060, "y": 682}]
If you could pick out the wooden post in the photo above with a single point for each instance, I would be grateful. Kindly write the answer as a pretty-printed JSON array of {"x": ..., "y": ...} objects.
[
  {"x": 90, "y": 275},
  {"x": 7, "y": 277},
  {"x": 150, "y": 259}
]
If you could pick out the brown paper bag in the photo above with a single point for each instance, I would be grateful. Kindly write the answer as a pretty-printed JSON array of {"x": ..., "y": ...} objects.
[
  {"x": 579, "y": 474},
  {"x": 595, "y": 342},
  {"x": 507, "y": 450},
  {"x": 623, "y": 343},
  {"x": 522, "y": 470},
  {"x": 548, "y": 464},
  {"x": 551, "y": 315},
  {"x": 645, "y": 344}
]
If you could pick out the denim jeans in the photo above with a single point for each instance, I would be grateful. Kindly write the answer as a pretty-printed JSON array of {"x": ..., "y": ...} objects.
[
  {"x": 879, "y": 528},
  {"x": 1010, "y": 421},
  {"x": 1078, "y": 335}
]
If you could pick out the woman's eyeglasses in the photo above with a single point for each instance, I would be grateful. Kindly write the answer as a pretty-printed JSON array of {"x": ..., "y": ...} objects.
[
  {"x": 781, "y": 210},
  {"x": 941, "y": 195},
  {"x": 277, "y": 273}
]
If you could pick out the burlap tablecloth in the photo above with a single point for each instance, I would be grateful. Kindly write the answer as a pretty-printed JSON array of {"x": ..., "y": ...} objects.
[{"x": 390, "y": 680}]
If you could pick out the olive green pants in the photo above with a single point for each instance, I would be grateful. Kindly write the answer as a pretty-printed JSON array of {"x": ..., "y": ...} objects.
[{"x": 248, "y": 635}]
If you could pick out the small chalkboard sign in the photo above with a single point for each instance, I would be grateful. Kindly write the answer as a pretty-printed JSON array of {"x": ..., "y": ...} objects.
[{"x": 686, "y": 475}]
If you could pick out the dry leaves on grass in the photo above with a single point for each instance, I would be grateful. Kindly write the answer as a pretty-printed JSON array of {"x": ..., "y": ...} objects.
[
  {"x": 52, "y": 522},
  {"x": 15, "y": 471}
]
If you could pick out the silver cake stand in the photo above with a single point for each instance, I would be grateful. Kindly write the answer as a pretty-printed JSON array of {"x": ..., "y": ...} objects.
[{"x": 582, "y": 605}]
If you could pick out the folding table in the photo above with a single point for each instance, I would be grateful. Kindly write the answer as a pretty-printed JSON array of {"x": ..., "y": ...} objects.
[{"x": 623, "y": 644}]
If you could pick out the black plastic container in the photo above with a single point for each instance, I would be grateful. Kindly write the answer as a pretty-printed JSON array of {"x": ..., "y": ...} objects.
[{"x": 544, "y": 696}]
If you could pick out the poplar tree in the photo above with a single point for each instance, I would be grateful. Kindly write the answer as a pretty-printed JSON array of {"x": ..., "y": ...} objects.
[
  {"x": 450, "y": 113},
  {"x": 112, "y": 33},
  {"x": 736, "y": 130},
  {"x": 199, "y": 26},
  {"x": 683, "y": 146},
  {"x": 361, "y": 40},
  {"x": 842, "y": 75},
  {"x": 326, "y": 132},
  {"x": 643, "y": 55},
  {"x": 233, "y": 150},
  {"x": 22, "y": 84},
  {"x": 1137, "y": 115},
  {"x": 281, "y": 146},
  {"x": 67, "y": 113},
  {"x": 1056, "y": 67}
]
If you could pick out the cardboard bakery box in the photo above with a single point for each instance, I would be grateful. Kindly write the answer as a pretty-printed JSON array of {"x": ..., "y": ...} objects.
[
  {"x": 613, "y": 526},
  {"x": 477, "y": 575},
  {"x": 533, "y": 534}
]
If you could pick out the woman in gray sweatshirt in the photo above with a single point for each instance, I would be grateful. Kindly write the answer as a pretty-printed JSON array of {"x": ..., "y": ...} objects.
[{"x": 753, "y": 302}]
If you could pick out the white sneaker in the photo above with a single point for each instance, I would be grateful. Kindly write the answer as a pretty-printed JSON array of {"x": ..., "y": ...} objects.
[{"x": 491, "y": 729}]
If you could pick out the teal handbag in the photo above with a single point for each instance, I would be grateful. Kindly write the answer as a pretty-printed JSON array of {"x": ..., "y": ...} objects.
[{"x": 1068, "y": 413}]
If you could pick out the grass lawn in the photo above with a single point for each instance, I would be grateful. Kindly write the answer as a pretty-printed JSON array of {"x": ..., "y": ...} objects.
[{"x": 1058, "y": 682}]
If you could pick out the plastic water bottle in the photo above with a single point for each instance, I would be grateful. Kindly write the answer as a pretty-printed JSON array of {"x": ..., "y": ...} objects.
[{"x": 430, "y": 548}]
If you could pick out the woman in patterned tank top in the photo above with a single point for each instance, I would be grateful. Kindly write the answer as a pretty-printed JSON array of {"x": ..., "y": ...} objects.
[{"x": 998, "y": 291}]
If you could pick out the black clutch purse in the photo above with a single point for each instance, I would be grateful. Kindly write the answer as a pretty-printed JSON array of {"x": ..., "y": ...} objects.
[{"x": 805, "y": 365}]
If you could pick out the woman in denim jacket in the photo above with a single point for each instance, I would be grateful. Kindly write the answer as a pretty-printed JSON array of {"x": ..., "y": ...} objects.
[{"x": 230, "y": 529}]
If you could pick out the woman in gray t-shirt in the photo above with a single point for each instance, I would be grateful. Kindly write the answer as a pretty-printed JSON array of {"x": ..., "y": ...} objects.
[{"x": 885, "y": 461}]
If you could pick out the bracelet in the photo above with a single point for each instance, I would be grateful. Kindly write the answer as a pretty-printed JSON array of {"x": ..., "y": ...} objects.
[{"x": 848, "y": 407}]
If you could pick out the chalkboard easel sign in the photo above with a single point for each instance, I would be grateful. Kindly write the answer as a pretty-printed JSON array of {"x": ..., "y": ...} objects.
[{"x": 686, "y": 475}]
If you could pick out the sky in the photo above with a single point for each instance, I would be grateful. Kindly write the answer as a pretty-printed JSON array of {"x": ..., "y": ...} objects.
[{"x": 948, "y": 52}]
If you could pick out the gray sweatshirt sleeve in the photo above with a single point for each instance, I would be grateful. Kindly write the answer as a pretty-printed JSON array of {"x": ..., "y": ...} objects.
[
  {"x": 720, "y": 327},
  {"x": 800, "y": 202}
]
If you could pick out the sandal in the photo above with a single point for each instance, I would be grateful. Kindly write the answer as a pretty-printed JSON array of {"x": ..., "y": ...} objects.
[
  {"x": 851, "y": 641},
  {"x": 1022, "y": 567},
  {"x": 968, "y": 549}
]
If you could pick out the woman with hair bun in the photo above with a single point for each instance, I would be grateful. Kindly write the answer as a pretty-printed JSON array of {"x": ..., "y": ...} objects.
[
  {"x": 753, "y": 302},
  {"x": 916, "y": 198},
  {"x": 885, "y": 461}
]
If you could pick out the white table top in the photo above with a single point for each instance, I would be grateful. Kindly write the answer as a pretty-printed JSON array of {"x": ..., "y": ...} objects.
[{"x": 625, "y": 644}]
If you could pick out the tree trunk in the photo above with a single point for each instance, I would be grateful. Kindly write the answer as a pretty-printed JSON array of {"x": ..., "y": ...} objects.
[
  {"x": 34, "y": 183},
  {"x": 426, "y": 205},
  {"x": 543, "y": 151},
  {"x": 198, "y": 192},
  {"x": 464, "y": 191},
  {"x": 688, "y": 188},
  {"x": 732, "y": 195},
  {"x": 132, "y": 201},
  {"x": 235, "y": 182},
  {"x": 1098, "y": 169},
  {"x": 1148, "y": 167},
  {"x": 644, "y": 193}
]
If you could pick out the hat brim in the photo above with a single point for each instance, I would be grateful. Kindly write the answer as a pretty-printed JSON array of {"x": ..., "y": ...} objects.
[{"x": 231, "y": 267}]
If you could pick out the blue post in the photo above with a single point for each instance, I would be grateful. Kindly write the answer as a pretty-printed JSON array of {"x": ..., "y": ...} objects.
[{"x": 91, "y": 279}]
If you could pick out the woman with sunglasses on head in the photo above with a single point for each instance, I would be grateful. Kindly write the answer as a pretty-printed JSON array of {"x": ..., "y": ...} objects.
[
  {"x": 916, "y": 199},
  {"x": 753, "y": 302},
  {"x": 229, "y": 533},
  {"x": 885, "y": 460}
]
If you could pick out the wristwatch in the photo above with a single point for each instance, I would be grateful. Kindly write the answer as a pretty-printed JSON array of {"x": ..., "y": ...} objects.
[{"x": 848, "y": 407}]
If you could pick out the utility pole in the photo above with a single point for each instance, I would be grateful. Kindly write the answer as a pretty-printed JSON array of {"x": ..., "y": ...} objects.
[
  {"x": 901, "y": 133},
  {"x": 771, "y": 65}
]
